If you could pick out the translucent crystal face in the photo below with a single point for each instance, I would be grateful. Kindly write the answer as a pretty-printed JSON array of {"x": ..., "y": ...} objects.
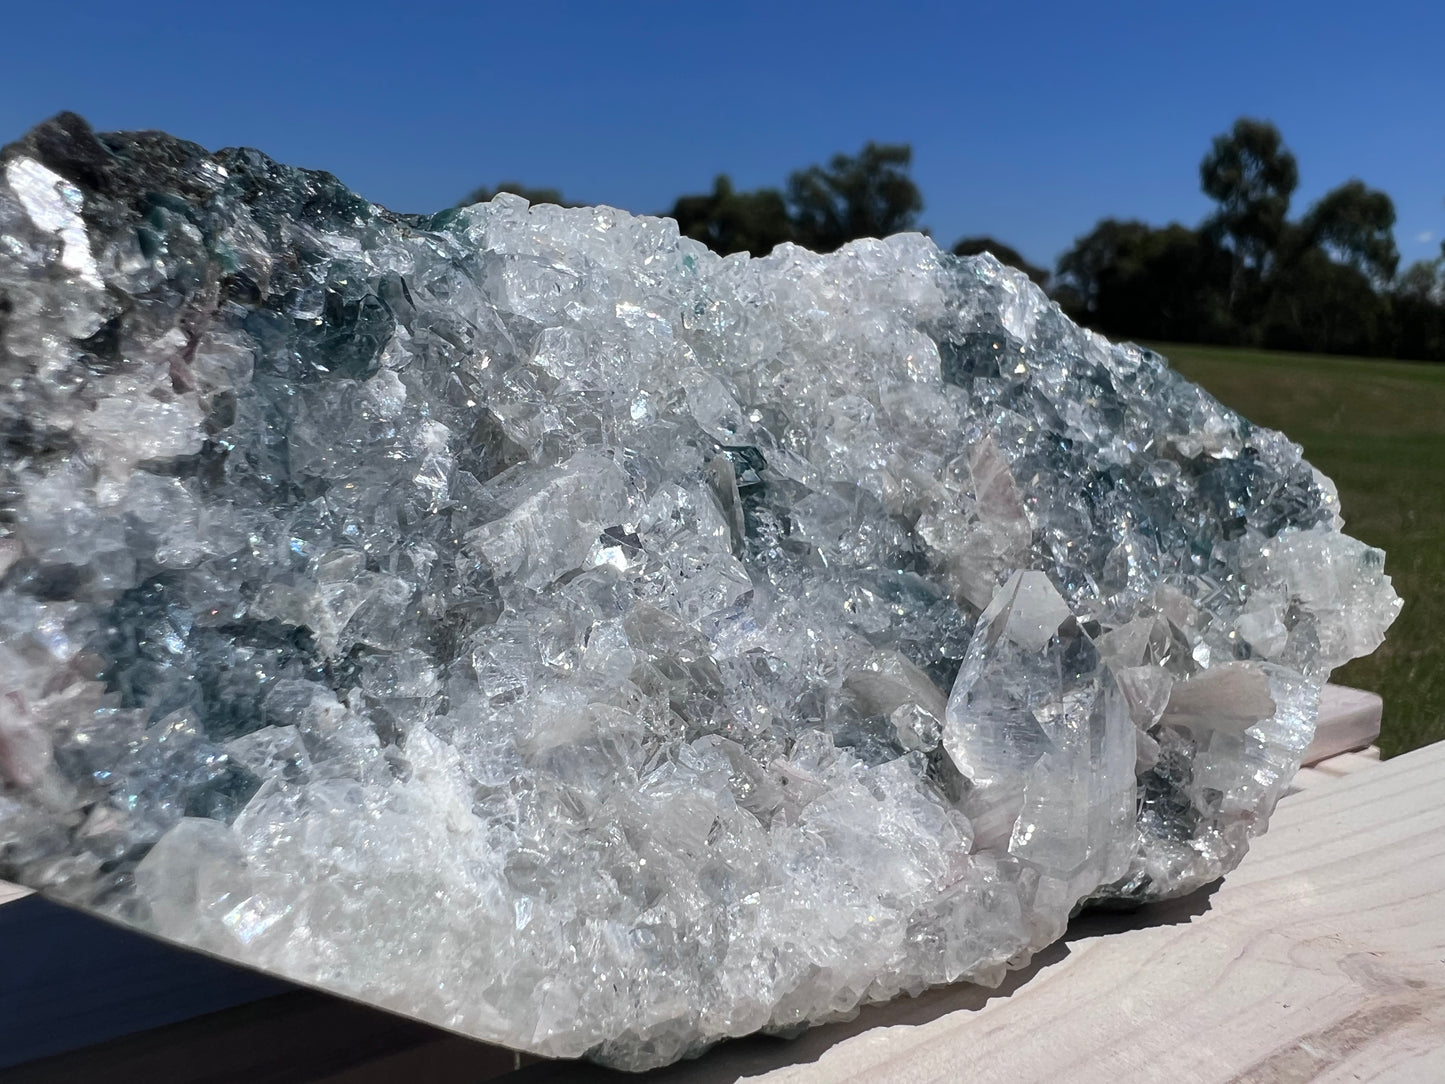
[{"x": 526, "y": 620}]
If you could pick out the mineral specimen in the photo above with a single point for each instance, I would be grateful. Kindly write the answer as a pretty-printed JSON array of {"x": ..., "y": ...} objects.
[{"x": 526, "y": 620}]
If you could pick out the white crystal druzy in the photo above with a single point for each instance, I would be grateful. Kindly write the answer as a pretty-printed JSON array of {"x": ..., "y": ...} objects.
[{"x": 527, "y": 620}]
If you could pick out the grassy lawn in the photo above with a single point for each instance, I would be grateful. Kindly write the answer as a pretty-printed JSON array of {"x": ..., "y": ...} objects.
[{"x": 1378, "y": 429}]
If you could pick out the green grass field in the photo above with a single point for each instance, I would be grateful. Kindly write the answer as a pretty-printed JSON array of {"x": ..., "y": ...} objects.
[{"x": 1378, "y": 429}]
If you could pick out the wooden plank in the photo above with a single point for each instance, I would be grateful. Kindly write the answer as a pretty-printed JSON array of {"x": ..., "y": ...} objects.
[
  {"x": 1337, "y": 767},
  {"x": 1348, "y": 719}
]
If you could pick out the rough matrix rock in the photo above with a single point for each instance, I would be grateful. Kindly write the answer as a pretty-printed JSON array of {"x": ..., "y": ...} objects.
[{"x": 527, "y": 620}]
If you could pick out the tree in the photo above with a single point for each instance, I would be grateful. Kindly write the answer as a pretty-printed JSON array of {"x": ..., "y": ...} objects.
[
  {"x": 528, "y": 193},
  {"x": 1423, "y": 280},
  {"x": 1249, "y": 274},
  {"x": 1354, "y": 225},
  {"x": 868, "y": 195},
  {"x": 1005, "y": 254},
  {"x": 1251, "y": 175},
  {"x": 1418, "y": 310},
  {"x": 728, "y": 221},
  {"x": 1320, "y": 306},
  {"x": 1081, "y": 280},
  {"x": 1129, "y": 278}
]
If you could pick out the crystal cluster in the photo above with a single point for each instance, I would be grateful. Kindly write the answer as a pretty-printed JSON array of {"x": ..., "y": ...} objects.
[{"x": 526, "y": 620}]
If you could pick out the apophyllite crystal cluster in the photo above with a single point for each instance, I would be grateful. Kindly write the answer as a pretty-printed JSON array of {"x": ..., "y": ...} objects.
[{"x": 527, "y": 620}]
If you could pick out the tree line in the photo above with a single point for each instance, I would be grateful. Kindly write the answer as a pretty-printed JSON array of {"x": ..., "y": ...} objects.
[{"x": 1250, "y": 274}]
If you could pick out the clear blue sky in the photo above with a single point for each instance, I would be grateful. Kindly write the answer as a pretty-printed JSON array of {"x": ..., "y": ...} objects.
[{"x": 1029, "y": 121}]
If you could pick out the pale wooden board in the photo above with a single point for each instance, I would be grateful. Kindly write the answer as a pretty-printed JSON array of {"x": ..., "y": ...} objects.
[
  {"x": 1348, "y": 719},
  {"x": 1337, "y": 767}
]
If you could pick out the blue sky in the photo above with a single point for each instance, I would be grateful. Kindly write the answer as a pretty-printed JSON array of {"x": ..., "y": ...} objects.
[{"x": 1028, "y": 121}]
